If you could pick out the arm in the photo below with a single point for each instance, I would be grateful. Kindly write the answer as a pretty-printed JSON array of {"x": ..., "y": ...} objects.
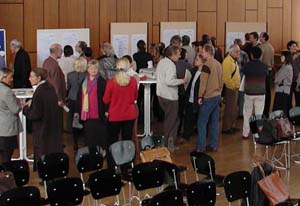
[
  {"x": 108, "y": 93},
  {"x": 171, "y": 77},
  {"x": 35, "y": 111},
  {"x": 227, "y": 72},
  {"x": 11, "y": 101},
  {"x": 205, "y": 72}
]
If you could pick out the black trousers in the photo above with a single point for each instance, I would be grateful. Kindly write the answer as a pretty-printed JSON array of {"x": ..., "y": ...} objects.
[
  {"x": 268, "y": 95},
  {"x": 281, "y": 102},
  {"x": 190, "y": 120},
  {"x": 181, "y": 113},
  {"x": 297, "y": 96}
]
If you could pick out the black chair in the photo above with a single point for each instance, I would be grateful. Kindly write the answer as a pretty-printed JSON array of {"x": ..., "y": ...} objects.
[
  {"x": 88, "y": 159},
  {"x": 294, "y": 115},
  {"x": 21, "y": 196},
  {"x": 105, "y": 183},
  {"x": 205, "y": 164},
  {"x": 169, "y": 197},
  {"x": 65, "y": 191},
  {"x": 20, "y": 169},
  {"x": 146, "y": 176},
  {"x": 52, "y": 166},
  {"x": 237, "y": 186},
  {"x": 202, "y": 193}
]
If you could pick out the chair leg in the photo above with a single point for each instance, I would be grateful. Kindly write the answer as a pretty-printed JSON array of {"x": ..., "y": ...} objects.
[
  {"x": 129, "y": 189},
  {"x": 118, "y": 200},
  {"x": 210, "y": 171},
  {"x": 247, "y": 199},
  {"x": 124, "y": 197},
  {"x": 175, "y": 179},
  {"x": 195, "y": 169},
  {"x": 45, "y": 187},
  {"x": 185, "y": 178}
]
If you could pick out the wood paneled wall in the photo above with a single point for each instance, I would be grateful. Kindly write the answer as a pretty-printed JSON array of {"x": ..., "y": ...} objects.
[{"x": 21, "y": 18}]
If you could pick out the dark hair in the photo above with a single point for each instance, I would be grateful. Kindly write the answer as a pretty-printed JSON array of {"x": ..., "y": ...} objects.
[
  {"x": 161, "y": 47},
  {"x": 205, "y": 38},
  {"x": 238, "y": 41},
  {"x": 128, "y": 57},
  {"x": 213, "y": 41},
  {"x": 82, "y": 45},
  {"x": 247, "y": 36},
  {"x": 266, "y": 36},
  {"x": 255, "y": 52},
  {"x": 68, "y": 51},
  {"x": 171, "y": 50},
  {"x": 202, "y": 43},
  {"x": 195, "y": 43},
  {"x": 185, "y": 40},
  {"x": 40, "y": 72},
  {"x": 182, "y": 53},
  {"x": 290, "y": 43},
  {"x": 254, "y": 34},
  {"x": 141, "y": 45},
  {"x": 176, "y": 39},
  {"x": 288, "y": 57},
  {"x": 88, "y": 52}
]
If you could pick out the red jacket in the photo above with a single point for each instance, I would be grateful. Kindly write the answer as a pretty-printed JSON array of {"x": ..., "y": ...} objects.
[{"x": 121, "y": 100}]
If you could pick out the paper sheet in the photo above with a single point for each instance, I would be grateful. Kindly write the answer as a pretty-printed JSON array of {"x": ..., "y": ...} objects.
[
  {"x": 231, "y": 36},
  {"x": 44, "y": 43},
  {"x": 134, "y": 39},
  {"x": 168, "y": 34},
  {"x": 120, "y": 44}
]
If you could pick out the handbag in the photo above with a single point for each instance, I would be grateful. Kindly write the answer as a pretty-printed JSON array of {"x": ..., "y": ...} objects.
[
  {"x": 159, "y": 153},
  {"x": 284, "y": 129},
  {"x": 242, "y": 85},
  {"x": 7, "y": 181},
  {"x": 268, "y": 133},
  {"x": 273, "y": 187},
  {"x": 152, "y": 141}
]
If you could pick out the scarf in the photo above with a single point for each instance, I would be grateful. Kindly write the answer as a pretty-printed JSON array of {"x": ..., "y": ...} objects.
[{"x": 85, "y": 92}]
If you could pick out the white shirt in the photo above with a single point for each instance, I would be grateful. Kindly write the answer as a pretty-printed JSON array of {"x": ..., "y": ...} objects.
[
  {"x": 67, "y": 65},
  {"x": 167, "y": 82},
  {"x": 191, "y": 99}
]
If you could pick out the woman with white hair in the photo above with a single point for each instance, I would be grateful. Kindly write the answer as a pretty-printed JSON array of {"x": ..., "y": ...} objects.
[
  {"x": 121, "y": 95},
  {"x": 9, "y": 122}
]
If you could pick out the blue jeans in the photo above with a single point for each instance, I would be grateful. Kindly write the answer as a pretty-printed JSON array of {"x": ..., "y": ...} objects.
[{"x": 209, "y": 113}]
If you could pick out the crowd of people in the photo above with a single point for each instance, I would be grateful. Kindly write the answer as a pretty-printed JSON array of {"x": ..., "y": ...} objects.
[{"x": 105, "y": 98}]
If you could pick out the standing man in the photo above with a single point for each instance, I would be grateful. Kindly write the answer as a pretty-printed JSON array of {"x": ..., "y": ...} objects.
[
  {"x": 79, "y": 48},
  {"x": 209, "y": 99},
  {"x": 231, "y": 78},
  {"x": 190, "y": 51},
  {"x": 55, "y": 75},
  {"x": 22, "y": 65},
  {"x": 167, "y": 92},
  {"x": 267, "y": 57},
  {"x": 255, "y": 88}
]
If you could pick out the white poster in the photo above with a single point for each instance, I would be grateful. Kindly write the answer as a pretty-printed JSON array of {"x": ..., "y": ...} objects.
[
  {"x": 44, "y": 42},
  {"x": 69, "y": 38},
  {"x": 134, "y": 39},
  {"x": 121, "y": 45},
  {"x": 231, "y": 36},
  {"x": 188, "y": 32},
  {"x": 168, "y": 34}
]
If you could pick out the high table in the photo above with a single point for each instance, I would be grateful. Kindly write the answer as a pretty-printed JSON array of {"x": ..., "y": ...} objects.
[
  {"x": 147, "y": 106},
  {"x": 23, "y": 94}
]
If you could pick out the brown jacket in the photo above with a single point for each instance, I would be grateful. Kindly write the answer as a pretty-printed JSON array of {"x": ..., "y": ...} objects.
[
  {"x": 211, "y": 79},
  {"x": 56, "y": 77}
]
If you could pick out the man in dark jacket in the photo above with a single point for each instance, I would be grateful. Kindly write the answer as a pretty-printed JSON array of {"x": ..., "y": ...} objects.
[{"x": 22, "y": 65}]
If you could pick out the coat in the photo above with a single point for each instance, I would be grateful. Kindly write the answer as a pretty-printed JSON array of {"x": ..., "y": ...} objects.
[
  {"x": 9, "y": 109},
  {"x": 46, "y": 117},
  {"x": 22, "y": 68},
  {"x": 56, "y": 77}
]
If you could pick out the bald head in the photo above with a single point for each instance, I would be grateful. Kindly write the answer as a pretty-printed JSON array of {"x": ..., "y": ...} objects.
[
  {"x": 234, "y": 51},
  {"x": 56, "y": 50}
]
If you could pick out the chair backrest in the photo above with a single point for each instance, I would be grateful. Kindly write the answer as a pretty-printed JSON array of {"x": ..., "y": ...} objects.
[
  {"x": 202, "y": 193},
  {"x": 237, "y": 185},
  {"x": 21, "y": 196},
  {"x": 147, "y": 175},
  {"x": 65, "y": 191},
  {"x": 89, "y": 159},
  {"x": 171, "y": 171},
  {"x": 203, "y": 163},
  {"x": 104, "y": 183},
  {"x": 152, "y": 141},
  {"x": 20, "y": 169},
  {"x": 122, "y": 152},
  {"x": 169, "y": 197},
  {"x": 53, "y": 165},
  {"x": 294, "y": 115},
  {"x": 276, "y": 114}
]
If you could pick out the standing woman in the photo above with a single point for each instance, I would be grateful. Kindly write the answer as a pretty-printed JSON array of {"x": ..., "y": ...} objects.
[
  {"x": 91, "y": 106},
  {"x": 45, "y": 114},
  {"x": 9, "y": 121},
  {"x": 121, "y": 95},
  {"x": 283, "y": 82}
]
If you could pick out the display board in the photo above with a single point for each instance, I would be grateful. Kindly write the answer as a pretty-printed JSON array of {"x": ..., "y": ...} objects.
[
  {"x": 237, "y": 30},
  {"x": 169, "y": 29},
  {"x": 3, "y": 45},
  {"x": 46, "y": 37},
  {"x": 124, "y": 37}
]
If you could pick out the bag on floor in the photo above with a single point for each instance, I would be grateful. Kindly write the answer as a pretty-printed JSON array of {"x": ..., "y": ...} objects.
[
  {"x": 152, "y": 141},
  {"x": 284, "y": 129},
  {"x": 273, "y": 187},
  {"x": 7, "y": 181},
  {"x": 158, "y": 153},
  {"x": 268, "y": 133}
]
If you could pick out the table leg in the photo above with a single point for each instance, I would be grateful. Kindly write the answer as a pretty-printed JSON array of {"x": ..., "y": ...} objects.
[{"x": 147, "y": 109}]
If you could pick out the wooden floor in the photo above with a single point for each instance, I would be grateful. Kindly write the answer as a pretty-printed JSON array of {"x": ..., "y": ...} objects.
[{"x": 233, "y": 154}]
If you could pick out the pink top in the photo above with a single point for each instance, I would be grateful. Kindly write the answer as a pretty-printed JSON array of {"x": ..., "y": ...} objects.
[{"x": 93, "y": 112}]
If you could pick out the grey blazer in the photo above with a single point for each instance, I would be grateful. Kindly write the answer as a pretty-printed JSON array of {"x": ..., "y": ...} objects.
[{"x": 9, "y": 109}]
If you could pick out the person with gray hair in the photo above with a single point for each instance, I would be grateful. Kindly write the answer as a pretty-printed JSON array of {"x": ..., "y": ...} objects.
[
  {"x": 22, "y": 65},
  {"x": 190, "y": 51}
]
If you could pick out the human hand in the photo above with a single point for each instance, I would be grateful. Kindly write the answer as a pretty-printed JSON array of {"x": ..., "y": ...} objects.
[
  {"x": 200, "y": 102},
  {"x": 28, "y": 103},
  {"x": 60, "y": 103}
]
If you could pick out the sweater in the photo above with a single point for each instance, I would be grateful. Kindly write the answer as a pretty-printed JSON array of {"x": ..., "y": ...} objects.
[
  {"x": 267, "y": 56},
  {"x": 167, "y": 82},
  {"x": 121, "y": 100},
  {"x": 231, "y": 73},
  {"x": 211, "y": 79},
  {"x": 255, "y": 77},
  {"x": 283, "y": 79}
]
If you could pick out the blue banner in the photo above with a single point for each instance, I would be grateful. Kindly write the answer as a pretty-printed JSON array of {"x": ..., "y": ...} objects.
[{"x": 2, "y": 48}]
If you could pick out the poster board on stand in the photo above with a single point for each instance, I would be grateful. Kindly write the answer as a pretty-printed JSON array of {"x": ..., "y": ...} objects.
[{"x": 3, "y": 46}]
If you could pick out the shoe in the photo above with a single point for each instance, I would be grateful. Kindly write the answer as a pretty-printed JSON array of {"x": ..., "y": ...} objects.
[
  {"x": 199, "y": 150},
  {"x": 228, "y": 132},
  {"x": 236, "y": 130},
  {"x": 211, "y": 149},
  {"x": 245, "y": 138}
]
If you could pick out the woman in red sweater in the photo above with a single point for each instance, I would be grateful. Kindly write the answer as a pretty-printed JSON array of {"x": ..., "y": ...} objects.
[{"x": 121, "y": 94}]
